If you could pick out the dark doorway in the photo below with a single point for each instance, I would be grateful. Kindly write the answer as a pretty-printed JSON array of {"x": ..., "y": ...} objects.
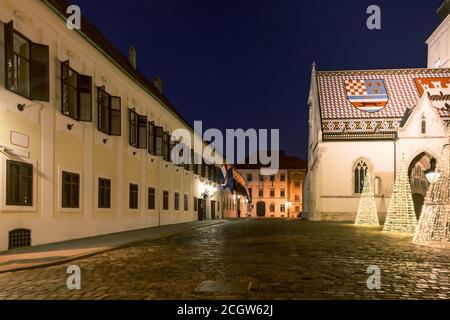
[
  {"x": 261, "y": 209},
  {"x": 419, "y": 182},
  {"x": 418, "y": 200},
  {"x": 201, "y": 209},
  {"x": 213, "y": 210}
]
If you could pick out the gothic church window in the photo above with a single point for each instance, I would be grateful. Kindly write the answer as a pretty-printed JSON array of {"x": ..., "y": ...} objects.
[{"x": 360, "y": 172}]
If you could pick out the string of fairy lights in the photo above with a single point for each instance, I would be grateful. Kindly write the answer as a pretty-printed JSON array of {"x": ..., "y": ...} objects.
[{"x": 433, "y": 228}]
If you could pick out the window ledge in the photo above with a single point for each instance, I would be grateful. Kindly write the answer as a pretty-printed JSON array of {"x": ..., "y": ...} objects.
[{"x": 21, "y": 209}]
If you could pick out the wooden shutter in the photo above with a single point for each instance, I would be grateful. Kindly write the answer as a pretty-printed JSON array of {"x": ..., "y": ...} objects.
[
  {"x": 103, "y": 114},
  {"x": 142, "y": 132},
  {"x": 151, "y": 138},
  {"x": 132, "y": 128},
  {"x": 39, "y": 72},
  {"x": 116, "y": 116},
  {"x": 84, "y": 84},
  {"x": 65, "y": 101},
  {"x": 159, "y": 145},
  {"x": 166, "y": 146},
  {"x": 9, "y": 56}
]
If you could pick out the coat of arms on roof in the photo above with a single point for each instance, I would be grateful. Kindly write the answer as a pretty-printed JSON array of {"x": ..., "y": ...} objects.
[
  {"x": 438, "y": 90},
  {"x": 367, "y": 95}
]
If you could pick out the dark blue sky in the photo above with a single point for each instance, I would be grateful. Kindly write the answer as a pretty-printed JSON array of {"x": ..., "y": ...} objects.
[{"x": 247, "y": 63}]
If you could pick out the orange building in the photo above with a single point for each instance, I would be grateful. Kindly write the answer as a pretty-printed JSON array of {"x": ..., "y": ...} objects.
[{"x": 275, "y": 196}]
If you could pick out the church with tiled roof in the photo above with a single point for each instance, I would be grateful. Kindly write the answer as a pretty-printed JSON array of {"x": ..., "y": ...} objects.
[{"x": 369, "y": 121}]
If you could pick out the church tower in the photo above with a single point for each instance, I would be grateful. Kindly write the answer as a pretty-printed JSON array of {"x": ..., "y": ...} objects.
[{"x": 439, "y": 41}]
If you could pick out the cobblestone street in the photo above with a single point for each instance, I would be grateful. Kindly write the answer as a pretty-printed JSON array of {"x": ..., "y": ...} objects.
[{"x": 273, "y": 259}]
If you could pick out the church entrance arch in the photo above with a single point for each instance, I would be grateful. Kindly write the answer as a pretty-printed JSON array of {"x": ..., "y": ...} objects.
[{"x": 418, "y": 179}]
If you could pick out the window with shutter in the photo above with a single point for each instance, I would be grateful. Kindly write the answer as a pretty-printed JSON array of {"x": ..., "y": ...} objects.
[
  {"x": 19, "y": 184},
  {"x": 203, "y": 168},
  {"x": 190, "y": 159},
  {"x": 159, "y": 136},
  {"x": 103, "y": 111},
  {"x": 116, "y": 116},
  {"x": 132, "y": 126},
  {"x": 76, "y": 94},
  {"x": 197, "y": 165},
  {"x": 137, "y": 130},
  {"x": 151, "y": 138},
  {"x": 142, "y": 132},
  {"x": 108, "y": 113},
  {"x": 27, "y": 65},
  {"x": 166, "y": 146},
  {"x": 39, "y": 72},
  {"x": 186, "y": 158},
  {"x": 85, "y": 98}
]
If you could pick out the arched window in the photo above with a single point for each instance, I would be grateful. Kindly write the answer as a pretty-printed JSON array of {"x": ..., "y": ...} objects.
[
  {"x": 424, "y": 124},
  {"x": 360, "y": 172},
  {"x": 377, "y": 186}
]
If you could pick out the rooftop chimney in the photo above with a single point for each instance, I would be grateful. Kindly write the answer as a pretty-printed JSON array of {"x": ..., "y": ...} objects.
[
  {"x": 158, "y": 84},
  {"x": 444, "y": 10},
  {"x": 132, "y": 56}
]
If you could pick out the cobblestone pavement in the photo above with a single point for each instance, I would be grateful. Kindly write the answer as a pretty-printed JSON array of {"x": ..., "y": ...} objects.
[{"x": 283, "y": 259}]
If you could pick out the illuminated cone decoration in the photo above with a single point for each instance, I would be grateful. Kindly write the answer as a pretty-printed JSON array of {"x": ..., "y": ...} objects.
[
  {"x": 401, "y": 216},
  {"x": 433, "y": 228},
  {"x": 367, "y": 211}
]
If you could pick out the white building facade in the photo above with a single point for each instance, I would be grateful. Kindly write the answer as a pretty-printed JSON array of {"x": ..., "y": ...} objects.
[
  {"x": 369, "y": 120},
  {"x": 85, "y": 139}
]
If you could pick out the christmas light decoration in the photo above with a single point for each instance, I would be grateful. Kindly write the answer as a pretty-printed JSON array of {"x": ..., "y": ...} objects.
[
  {"x": 367, "y": 210},
  {"x": 401, "y": 216},
  {"x": 433, "y": 228}
]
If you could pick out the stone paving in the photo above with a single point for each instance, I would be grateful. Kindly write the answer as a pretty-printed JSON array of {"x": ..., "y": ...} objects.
[{"x": 282, "y": 259}]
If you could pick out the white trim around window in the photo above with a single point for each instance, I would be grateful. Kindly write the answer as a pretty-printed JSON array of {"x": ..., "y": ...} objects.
[
  {"x": 59, "y": 193},
  {"x": 156, "y": 198},
  {"x": 97, "y": 177},
  {"x": 138, "y": 210},
  {"x": 3, "y": 167}
]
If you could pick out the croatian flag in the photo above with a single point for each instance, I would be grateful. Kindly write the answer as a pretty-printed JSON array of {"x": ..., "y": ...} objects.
[{"x": 226, "y": 177}]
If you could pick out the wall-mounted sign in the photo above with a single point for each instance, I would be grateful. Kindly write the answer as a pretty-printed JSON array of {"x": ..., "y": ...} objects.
[{"x": 19, "y": 139}]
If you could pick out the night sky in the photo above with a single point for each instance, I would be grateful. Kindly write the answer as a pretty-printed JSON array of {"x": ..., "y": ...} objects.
[{"x": 247, "y": 63}]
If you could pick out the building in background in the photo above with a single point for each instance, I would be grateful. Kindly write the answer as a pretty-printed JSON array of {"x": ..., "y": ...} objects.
[
  {"x": 85, "y": 138},
  {"x": 368, "y": 120},
  {"x": 275, "y": 196}
]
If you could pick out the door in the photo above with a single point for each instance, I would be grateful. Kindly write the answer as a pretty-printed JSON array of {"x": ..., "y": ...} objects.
[
  {"x": 201, "y": 209},
  {"x": 261, "y": 209},
  {"x": 418, "y": 200},
  {"x": 213, "y": 210}
]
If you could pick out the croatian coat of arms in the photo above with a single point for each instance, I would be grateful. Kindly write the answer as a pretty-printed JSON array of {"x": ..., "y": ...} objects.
[{"x": 367, "y": 95}]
